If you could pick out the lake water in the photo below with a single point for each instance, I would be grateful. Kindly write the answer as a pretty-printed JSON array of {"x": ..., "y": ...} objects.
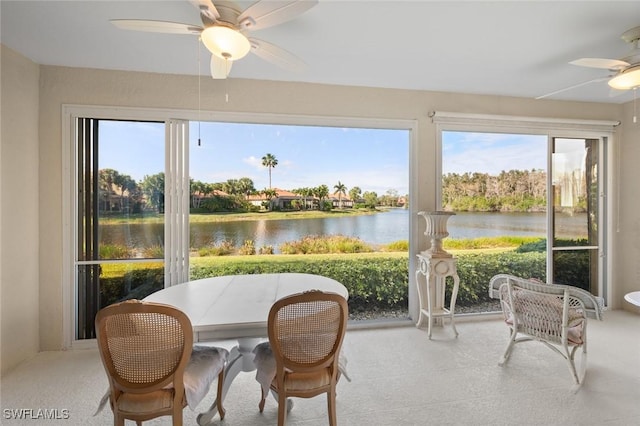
[{"x": 380, "y": 228}]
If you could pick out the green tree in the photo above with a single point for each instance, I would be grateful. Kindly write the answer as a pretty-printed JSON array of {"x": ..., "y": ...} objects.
[
  {"x": 197, "y": 187},
  {"x": 321, "y": 192},
  {"x": 246, "y": 187},
  {"x": 269, "y": 194},
  {"x": 390, "y": 198},
  {"x": 341, "y": 189},
  {"x": 370, "y": 199},
  {"x": 269, "y": 161},
  {"x": 232, "y": 186},
  {"x": 125, "y": 184},
  {"x": 106, "y": 182},
  {"x": 153, "y": 188},
  {"x": 355, "y": 193},
  {"x": 305, "y": 193}
]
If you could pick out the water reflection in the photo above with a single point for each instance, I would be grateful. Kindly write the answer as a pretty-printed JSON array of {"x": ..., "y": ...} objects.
[{"x": 381, "y": 228}]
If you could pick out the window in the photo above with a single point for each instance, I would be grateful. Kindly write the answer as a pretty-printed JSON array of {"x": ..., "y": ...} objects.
[
  {"x": 538, "y": 184},
  {"x": 130, "y": 213},
  {"x": 119, "y": 251}
]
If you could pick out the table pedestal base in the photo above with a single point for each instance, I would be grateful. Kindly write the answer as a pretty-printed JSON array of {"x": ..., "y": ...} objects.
[{"x": 240, "y": 360}]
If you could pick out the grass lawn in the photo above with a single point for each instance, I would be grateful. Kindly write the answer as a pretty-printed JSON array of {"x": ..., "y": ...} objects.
[
  {"x": 230, "y": 217},
  {"x": 287, "y": 258}
]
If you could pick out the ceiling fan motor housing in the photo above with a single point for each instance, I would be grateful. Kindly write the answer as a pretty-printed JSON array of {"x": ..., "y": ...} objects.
[
  {"x": 229, "y": 13},
  {"x": 632, "y": 35}
]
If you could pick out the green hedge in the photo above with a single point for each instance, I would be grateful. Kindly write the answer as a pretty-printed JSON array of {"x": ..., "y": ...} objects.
[
  {"x": 380, "y": 282},
  {"x": 372, "y": 282},
  {"x": 475, "y": 271},
  {"x": 383, "y": 282},
  {"x": 134, "y": 284}
]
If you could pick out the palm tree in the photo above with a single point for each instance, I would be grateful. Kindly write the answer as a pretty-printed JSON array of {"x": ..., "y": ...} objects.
[
  {"x": 126, "y": 184},
  {"x": 321, "y": 192},
  {"x": 270, "y": 161},
  {"x": 341, "y": 189},
  {"x": 245, "y": 185},
  {"x": 355, "y": 193},
  {"x": 269, "y": 194},
  {"x": 107, "y": 179}
]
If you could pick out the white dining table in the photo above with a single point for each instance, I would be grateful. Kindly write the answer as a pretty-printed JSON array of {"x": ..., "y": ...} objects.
[{"x": 237, "y": 307}]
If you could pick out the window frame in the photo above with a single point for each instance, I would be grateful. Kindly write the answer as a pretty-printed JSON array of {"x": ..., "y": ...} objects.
[
  {"x": 602, "y": 130},
  {"x": 69, "y": 206}
]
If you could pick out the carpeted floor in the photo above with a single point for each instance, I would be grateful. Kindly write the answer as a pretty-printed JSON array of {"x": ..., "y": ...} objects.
[{"x": 399, "y": 377}]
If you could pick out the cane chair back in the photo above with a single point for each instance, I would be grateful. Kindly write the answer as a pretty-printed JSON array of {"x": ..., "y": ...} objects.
[
  {"x": 145, "y": 348},
  {"x": 306, "y": 332}
]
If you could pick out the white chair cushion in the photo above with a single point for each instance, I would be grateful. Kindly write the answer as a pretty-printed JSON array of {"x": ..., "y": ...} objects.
[
  {"x": 266, "y": 365},
  {"x": 204, "y": 366},
  {"x": 201, "y": 371}
]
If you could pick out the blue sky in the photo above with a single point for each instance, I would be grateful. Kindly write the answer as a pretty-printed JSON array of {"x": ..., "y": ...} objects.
[
  {"x": 492, "y": 152},
  {"x": 373, "y": 159}
]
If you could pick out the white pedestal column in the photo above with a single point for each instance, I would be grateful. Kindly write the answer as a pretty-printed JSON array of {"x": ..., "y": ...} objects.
[
  {"x": 434, "y": 271},
  {"x": 434, "y": 266}
]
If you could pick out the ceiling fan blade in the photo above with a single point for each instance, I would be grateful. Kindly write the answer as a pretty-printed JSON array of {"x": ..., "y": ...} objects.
[
  {"x": 607, "y": 64},
  {"x": 156, "y": 26},
  {"x": 208, "y": 11},
  {"x": 220, "y": 67},
  {"x": 276, "y": 55},
  {"x": 584, "y": 83},
  {"x": 265, "y": 13}
]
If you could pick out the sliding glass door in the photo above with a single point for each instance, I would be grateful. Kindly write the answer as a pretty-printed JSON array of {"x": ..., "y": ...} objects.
[
  {"x": 119, "y": 219},
  {"x": 575, "y": 216},
  {"x": 527, "y": 199}
]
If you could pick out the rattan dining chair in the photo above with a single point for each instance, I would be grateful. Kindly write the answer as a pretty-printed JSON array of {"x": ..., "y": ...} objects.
[
  {"x": 145, "y": 348},
  {"x": 306, "y": 331}
]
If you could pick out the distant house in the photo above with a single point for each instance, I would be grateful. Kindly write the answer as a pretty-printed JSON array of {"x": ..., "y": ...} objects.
[
  {"x": 283, "y": 199},
  {"x": 257, "y": 200},
  {"x": 336, "y": 199},
  {"x": 197, "y": 198},
  {"x": 402, "y": 201}
]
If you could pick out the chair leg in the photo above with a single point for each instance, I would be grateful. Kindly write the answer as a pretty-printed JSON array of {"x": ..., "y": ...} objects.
[
  {"x": 176, "y": 417},
  {"x": 331, "y": 402},
  {"x": 118, "y": 419},
  {"x": 282, "y": 409},
  {"x": 221, "y": 410},
  {"x": 507, "y": 352},
  {"x": 579, "y": 372}
]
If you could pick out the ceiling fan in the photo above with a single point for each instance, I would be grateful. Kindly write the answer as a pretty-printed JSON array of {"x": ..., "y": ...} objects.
[
  {"x": 225, "y": 27},
  {"x": 626, "y": 71}
]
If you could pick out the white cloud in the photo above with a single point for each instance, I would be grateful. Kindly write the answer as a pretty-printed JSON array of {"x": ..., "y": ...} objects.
[{"x": 253, "y": 162}]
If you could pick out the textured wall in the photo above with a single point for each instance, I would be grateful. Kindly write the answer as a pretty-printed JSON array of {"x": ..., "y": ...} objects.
[
  {"x": 61, "y": 85},
  {"x": 19, "y": 237},
  {"x": 626, "y": 216}
]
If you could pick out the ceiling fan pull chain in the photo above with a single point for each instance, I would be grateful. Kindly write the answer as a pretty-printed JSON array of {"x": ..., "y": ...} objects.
[
  {"x": 199, "y": 92},
  {"x": 226, "y": 85},
  {"x": 635, "y": 114}
]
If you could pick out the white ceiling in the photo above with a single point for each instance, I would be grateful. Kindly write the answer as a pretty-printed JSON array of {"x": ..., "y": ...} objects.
[{"x": 511, "y": 48}]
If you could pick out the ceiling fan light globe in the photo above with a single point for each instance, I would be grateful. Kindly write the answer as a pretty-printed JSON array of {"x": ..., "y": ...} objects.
[
  {"x": 225, "y": 42},
  {"x": 628, "y": 79}
]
